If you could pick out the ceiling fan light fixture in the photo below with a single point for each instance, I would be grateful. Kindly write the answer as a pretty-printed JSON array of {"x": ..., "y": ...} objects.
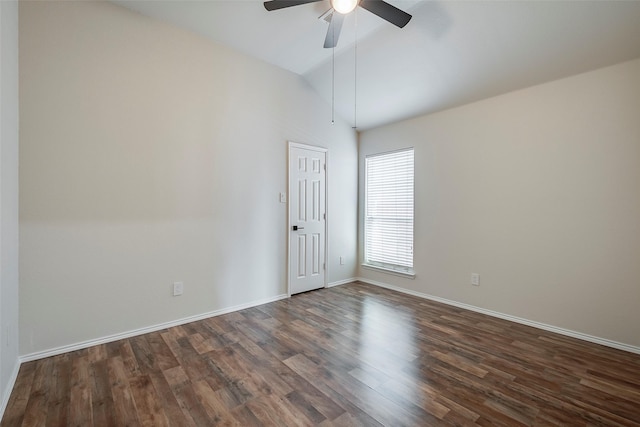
[{"x": 344, "y": 6}]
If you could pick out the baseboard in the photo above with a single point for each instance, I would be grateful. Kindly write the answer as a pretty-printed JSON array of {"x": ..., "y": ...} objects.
[
  {"x": 9, "y": 388},
  {"x": 154, "y": 328},
  {"x": 341, "y": 282},
  {"x": 158, "y": 327},
  {"x": 532, "y": 323}
]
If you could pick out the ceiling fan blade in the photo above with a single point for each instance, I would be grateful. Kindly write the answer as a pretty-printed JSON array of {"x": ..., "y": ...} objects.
[
  {"x": 387, "y": 12},
  {"x": 281, "y": 4},
  {"x": 333, "y": 33}
]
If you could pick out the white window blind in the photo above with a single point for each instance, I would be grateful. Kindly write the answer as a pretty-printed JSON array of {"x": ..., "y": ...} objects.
[{"x": 388, "y": 223}]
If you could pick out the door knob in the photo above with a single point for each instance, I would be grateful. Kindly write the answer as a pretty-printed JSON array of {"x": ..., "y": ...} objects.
[{"x": 295, "y": 228}]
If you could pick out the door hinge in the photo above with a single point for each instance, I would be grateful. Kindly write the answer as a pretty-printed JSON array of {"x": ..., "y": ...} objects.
[
  {"x": 324, "y": 266},
  {"x": 324, "y": 216},
  {"x": 324, "y": 166}
]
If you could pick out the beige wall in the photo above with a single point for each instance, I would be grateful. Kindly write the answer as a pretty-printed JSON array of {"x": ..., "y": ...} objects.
[
  {"x": 150, "y": 155},
  {"x": 538, "y": 191},
  {"x": 8, "y": 198}
]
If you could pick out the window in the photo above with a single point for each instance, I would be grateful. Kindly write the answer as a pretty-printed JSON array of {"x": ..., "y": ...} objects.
[{"x": 388, "y": 217}]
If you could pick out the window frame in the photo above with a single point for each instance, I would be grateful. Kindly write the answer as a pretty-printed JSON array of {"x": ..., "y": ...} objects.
[{"x": 388, "y": 267}]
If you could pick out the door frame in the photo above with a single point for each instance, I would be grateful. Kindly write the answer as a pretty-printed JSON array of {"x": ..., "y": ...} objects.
[{"x": 291, "y": 145}]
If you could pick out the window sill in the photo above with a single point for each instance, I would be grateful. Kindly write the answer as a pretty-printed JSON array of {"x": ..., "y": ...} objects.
[{"x": 407, "y": 274}]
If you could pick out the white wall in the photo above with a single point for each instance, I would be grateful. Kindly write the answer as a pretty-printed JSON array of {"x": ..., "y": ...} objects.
[
  {"x": 538, "y": 191},
  {"x": 8, "y": 198},
  {"x": 150, "y": 155}
]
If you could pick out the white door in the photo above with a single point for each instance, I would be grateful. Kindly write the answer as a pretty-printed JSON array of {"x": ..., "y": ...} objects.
[{"x": 307, "y": 217}]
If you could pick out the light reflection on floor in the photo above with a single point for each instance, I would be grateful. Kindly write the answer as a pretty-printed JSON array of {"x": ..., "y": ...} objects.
[{"x": 388, "y": 349}]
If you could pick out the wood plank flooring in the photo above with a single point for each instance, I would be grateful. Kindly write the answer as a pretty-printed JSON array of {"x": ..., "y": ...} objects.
[{"x": 353, "y": 355}]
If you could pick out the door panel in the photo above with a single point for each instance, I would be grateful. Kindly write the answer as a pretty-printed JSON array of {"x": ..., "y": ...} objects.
[
  {"x": 302, "y": 197},
  {"x": 302, "y": 256},
  {"x": 307, "y": 206},
  {"x": 316, "y": 259}
]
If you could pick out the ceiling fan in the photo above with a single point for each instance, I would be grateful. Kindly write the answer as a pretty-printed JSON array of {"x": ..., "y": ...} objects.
[{"x": 381, "y": 8}]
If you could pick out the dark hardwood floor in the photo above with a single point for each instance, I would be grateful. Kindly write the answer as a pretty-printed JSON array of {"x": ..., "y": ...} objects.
[{"x": 353, "y": 355}]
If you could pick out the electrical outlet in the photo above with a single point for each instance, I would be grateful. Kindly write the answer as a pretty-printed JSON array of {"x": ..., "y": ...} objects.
[
  {"x": 283, "y": 197},
  {"x": 475, "y": 279},
  {"x": 178, "y": 288},
  {"x": 341, "y": 260}
]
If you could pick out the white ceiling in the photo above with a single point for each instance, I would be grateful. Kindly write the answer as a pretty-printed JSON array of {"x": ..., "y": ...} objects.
[{"x": 450, "y": 53}]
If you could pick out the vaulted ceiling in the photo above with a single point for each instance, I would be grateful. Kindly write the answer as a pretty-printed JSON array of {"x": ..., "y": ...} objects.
[{"x": 450, "y": 53}]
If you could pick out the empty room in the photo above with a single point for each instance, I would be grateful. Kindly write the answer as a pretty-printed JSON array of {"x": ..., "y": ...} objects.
[{"x": 319, "y": 212}]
